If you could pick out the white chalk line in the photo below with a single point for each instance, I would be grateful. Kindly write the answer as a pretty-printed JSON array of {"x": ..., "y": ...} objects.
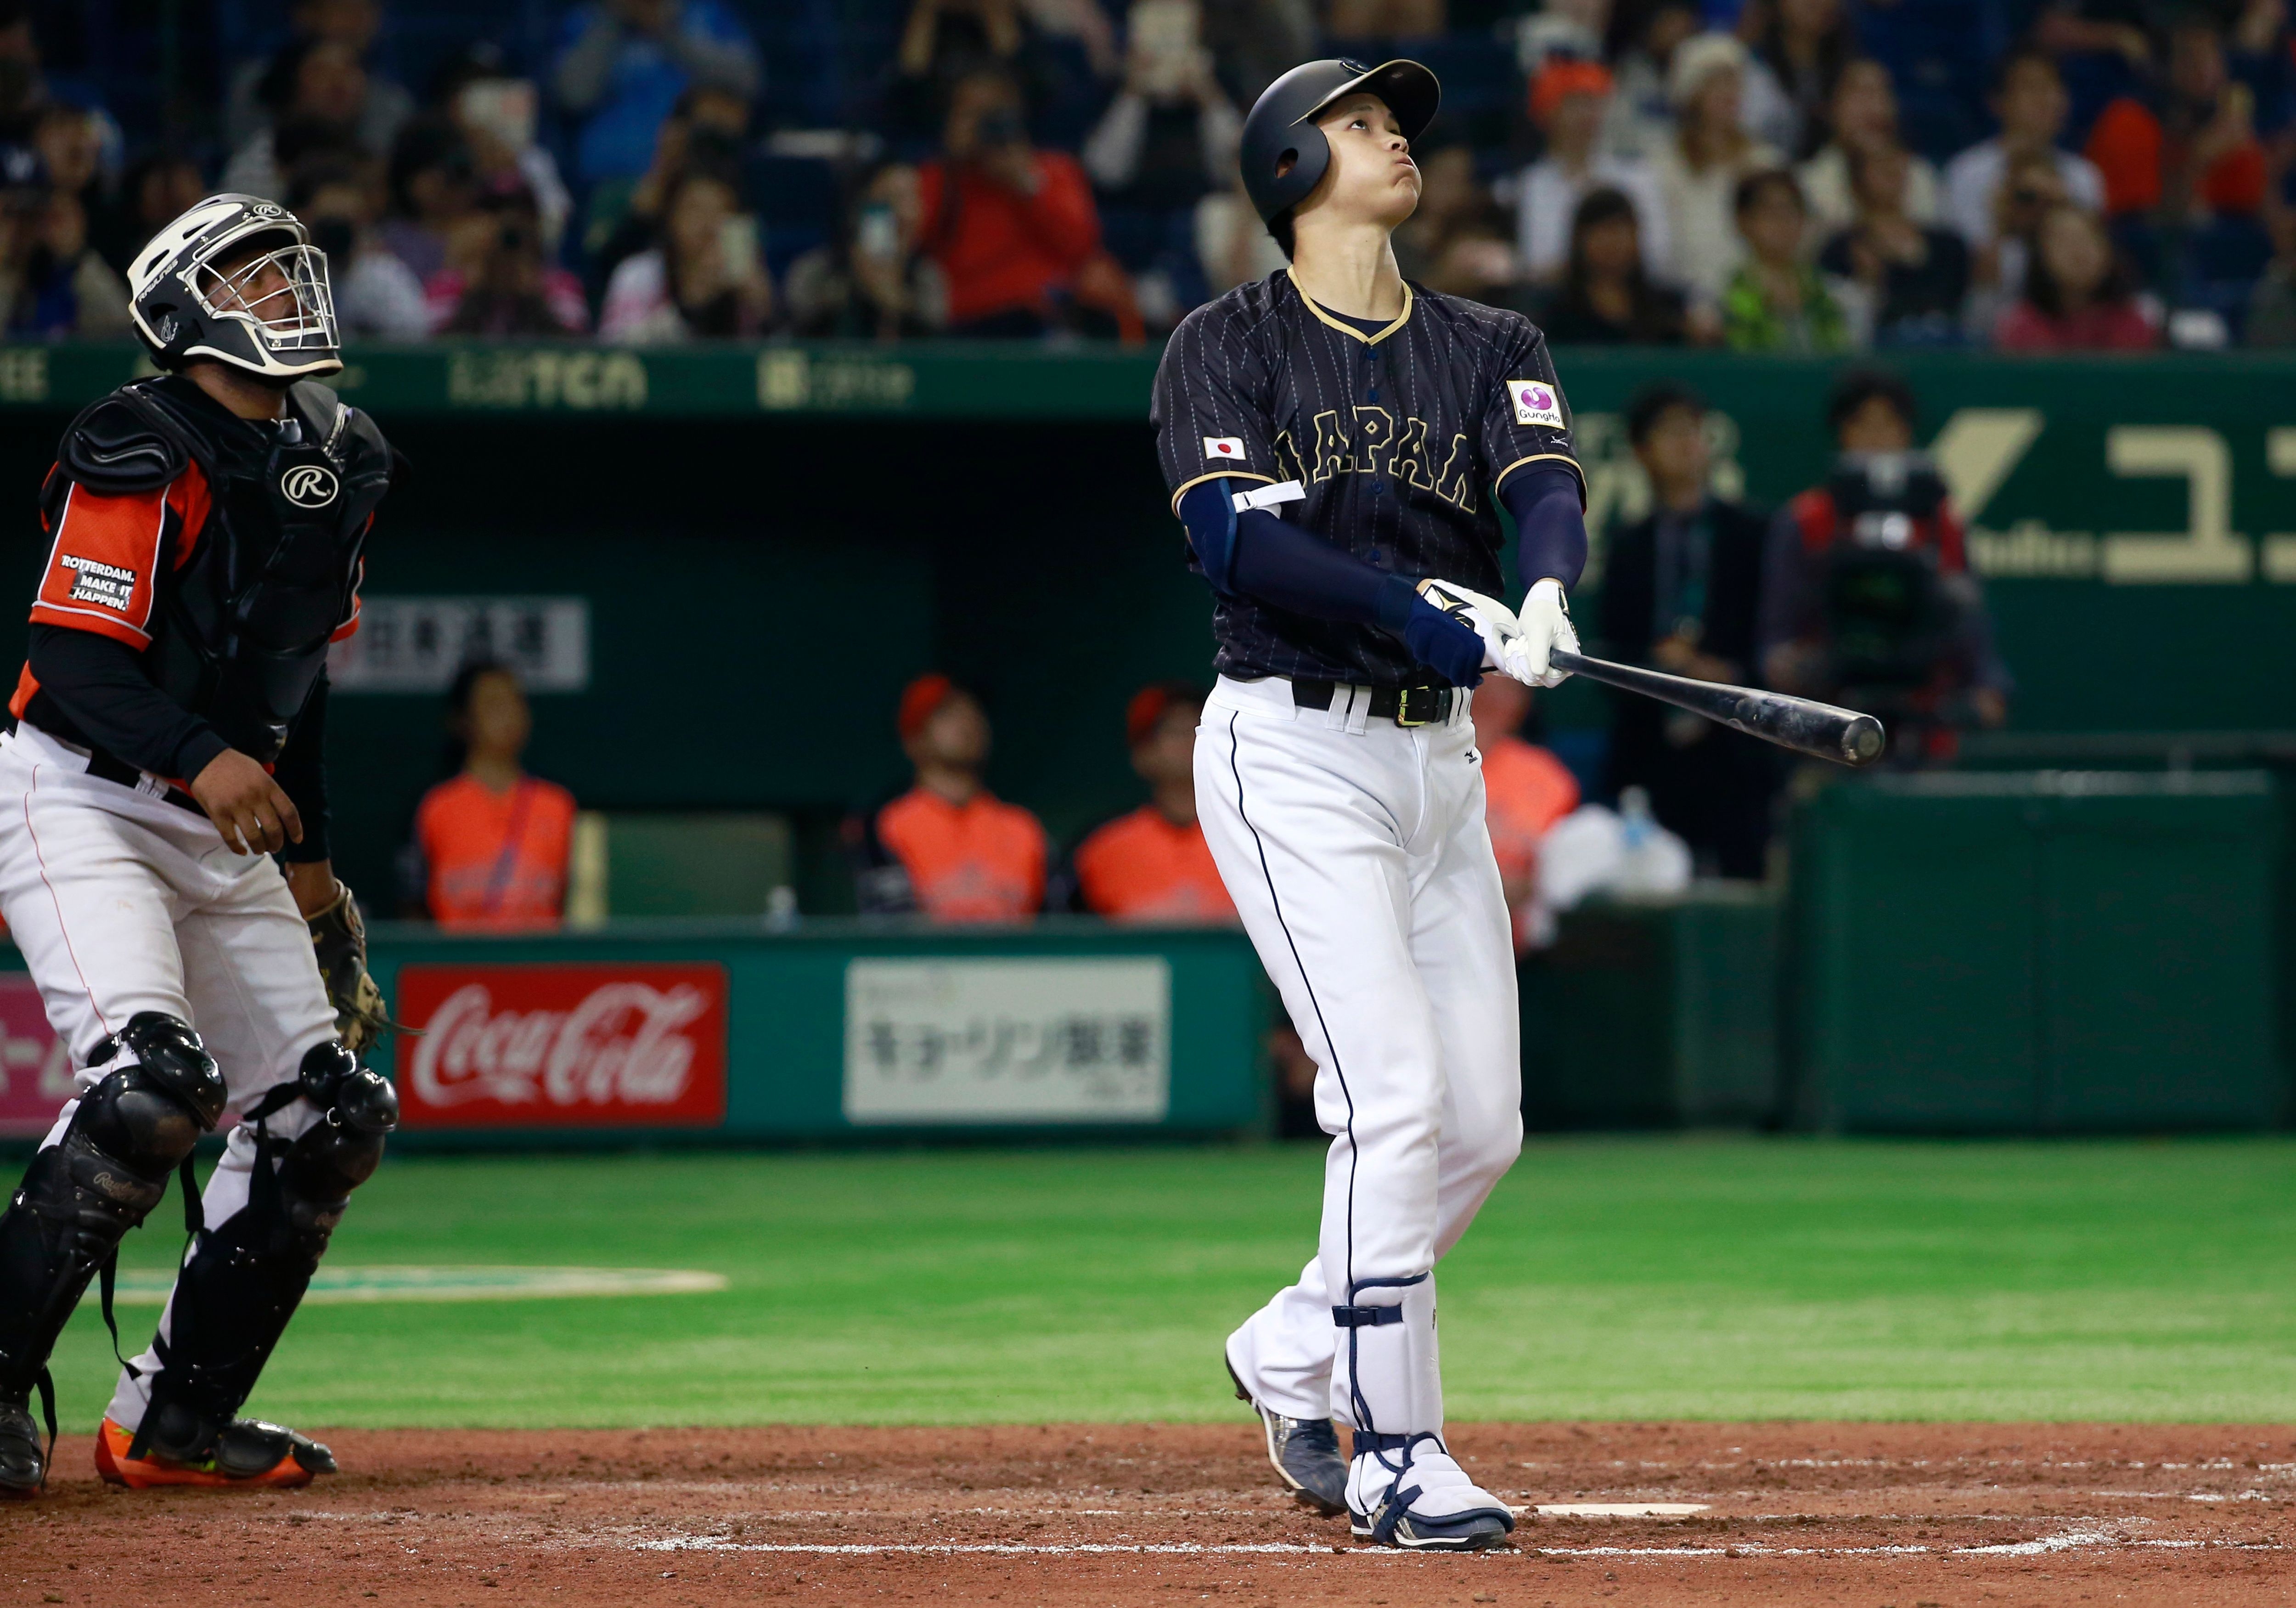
[{"x": 2072, "y": 1541}]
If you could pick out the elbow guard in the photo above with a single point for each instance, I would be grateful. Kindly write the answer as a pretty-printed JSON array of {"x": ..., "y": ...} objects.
[{"x": 1208, "y": 510}]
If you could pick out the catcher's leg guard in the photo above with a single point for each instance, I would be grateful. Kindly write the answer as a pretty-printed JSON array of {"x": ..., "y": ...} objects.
[
  {"x": 80, "y": 1196},
  {"x": 242, "y": 1283}
]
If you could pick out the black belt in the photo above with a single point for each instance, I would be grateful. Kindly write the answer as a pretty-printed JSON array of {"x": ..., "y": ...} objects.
[
  {"x": 111, "y": 767},
  {"x": 1404, "y": 705}
]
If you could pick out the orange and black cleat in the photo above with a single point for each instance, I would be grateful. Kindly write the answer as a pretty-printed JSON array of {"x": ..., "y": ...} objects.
[{"x": 244, "y": 1453}]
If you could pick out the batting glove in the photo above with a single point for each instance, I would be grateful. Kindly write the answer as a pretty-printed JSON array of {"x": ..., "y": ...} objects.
[
  {"x": 1494, "y": 626},
  {"x": 1543, "y": 629}
]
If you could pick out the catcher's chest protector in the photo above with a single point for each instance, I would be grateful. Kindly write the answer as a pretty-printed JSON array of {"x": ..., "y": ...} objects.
[{"x": 241, "y": 628}]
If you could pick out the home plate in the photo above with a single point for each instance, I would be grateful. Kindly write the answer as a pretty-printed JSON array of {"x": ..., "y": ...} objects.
[{"x": 1619, "y": 1509}]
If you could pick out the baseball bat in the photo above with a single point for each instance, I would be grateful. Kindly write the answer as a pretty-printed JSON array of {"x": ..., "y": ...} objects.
[{"x": 1803, "y": 725}]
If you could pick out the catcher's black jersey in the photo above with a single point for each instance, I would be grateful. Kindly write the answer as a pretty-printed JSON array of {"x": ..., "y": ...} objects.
[{"x": 1399, "y": 436}]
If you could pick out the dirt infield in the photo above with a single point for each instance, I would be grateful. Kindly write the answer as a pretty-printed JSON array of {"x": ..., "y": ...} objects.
[{"x": 1908, "y": 1515}]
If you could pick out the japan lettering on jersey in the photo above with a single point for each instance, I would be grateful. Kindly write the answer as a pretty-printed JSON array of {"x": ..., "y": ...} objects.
[{"x": 1400, "y": 437}]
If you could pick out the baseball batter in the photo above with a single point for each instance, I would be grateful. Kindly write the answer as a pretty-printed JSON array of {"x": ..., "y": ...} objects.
[
  {"x": 1338, "y": 444},
  {"x": 204, "y": 536}
]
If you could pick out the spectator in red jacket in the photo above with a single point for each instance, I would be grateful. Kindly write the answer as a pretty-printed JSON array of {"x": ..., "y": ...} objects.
[
  {"x": 2077, "y": 295},
  {"x": 2197, "y": 154},
  {"x": 1012, "y": 226}
]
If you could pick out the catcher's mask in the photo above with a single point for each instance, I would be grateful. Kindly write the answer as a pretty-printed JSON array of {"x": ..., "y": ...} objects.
[{"x": 237, "y": 280}]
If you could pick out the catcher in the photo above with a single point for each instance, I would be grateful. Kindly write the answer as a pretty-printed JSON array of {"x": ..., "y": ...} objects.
[{"x": 205, "y": 530}]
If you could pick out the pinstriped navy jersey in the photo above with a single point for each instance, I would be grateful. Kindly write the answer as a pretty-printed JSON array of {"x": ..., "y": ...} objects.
[{"x": 1400, "y": 439}]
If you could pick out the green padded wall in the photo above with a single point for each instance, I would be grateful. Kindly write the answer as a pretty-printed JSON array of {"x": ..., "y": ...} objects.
[
  {"x": 1656, "y": 1014},
  {"x": 2050, "y": 952}
]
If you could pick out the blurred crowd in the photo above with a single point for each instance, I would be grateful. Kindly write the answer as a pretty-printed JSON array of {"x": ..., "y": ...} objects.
[{"x": 1801, "y": 176}]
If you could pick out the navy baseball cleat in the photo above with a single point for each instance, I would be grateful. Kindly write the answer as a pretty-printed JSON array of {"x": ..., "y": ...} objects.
[
  {"x": 1405, "y": 1491},
  {"x": 1304, "y": 1453}
]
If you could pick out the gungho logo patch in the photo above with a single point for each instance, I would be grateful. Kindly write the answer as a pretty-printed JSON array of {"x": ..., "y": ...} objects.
[
  {"x": 107, "y": 584},
  {"x": 1535, "y": 403},
  {"x": 310, "y": 486}
]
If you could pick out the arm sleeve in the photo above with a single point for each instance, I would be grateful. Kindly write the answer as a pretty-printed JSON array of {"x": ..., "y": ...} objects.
[
  {"x": 301, "y": 774},
  {"x": 100, "y": 682},
  {"x": 1526, "y": 420},
  {"x": 1212, "y": 407},
  {"x": 1548, "y": 521},
  {"x": 1281, "y": 564}
]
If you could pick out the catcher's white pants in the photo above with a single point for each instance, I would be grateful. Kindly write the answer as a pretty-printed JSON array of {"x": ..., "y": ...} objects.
[
  {"x": 1357, "y": 854},
  {"x": 122, "y": 902}
]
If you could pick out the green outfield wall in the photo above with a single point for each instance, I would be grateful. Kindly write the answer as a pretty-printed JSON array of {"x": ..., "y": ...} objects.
[
  {"x": 763, "y": 543},
  {"x": 2046, "y": 952}
]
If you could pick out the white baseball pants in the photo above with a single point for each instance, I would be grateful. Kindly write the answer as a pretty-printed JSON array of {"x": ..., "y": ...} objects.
[
  {"x": 122, "y": 902},
  {"x": 1357, "y": 854}
]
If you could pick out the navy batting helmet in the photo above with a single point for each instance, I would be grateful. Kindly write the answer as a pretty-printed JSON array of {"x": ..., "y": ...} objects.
[{"x": 1285, "y": 154}]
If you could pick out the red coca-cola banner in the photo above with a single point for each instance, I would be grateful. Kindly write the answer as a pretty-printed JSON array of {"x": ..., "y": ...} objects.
[
  {"x": 34, "y": 1072},
  {"x": 562, "y": 1045}
]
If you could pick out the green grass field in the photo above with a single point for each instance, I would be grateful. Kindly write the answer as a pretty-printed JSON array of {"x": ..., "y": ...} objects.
[{"x": 1607, "y": 1279}]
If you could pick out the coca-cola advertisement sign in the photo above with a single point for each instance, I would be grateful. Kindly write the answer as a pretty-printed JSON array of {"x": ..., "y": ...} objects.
[
  {"x": 36, "y": 1074},
  {"x": 562, "y": 1045}
]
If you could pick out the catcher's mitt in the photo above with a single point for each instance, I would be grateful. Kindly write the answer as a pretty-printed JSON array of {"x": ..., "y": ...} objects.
[{"x": 339, "y": 939}]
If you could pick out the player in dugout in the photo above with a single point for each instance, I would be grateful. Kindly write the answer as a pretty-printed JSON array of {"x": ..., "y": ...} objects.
[
  {"x": 948, "y": 849},
  {"x": 1151, "y": 864},
  {"x": 495, "y": 842}
]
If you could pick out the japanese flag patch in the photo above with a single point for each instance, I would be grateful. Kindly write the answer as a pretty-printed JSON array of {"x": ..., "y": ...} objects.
[
  {"x": 1227, "y": 450},
  {"x": 1536, "y": 402}
]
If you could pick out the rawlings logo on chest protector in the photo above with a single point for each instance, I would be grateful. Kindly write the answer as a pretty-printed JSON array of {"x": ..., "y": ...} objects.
[{"x": 310, "y": 486}]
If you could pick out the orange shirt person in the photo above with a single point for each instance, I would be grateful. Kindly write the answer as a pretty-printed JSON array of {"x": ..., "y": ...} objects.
[
  {"x": 1153, "y": 864},
  {"x": 948, "y": 849},
  {"x": 1526, "y": 791},
  {"x": 495, "y": 841}
]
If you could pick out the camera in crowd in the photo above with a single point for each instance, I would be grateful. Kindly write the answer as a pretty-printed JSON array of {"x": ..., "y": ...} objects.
[
  {"x": 1890, "y": 615},
  {"x": 1907, "y": 634}
]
